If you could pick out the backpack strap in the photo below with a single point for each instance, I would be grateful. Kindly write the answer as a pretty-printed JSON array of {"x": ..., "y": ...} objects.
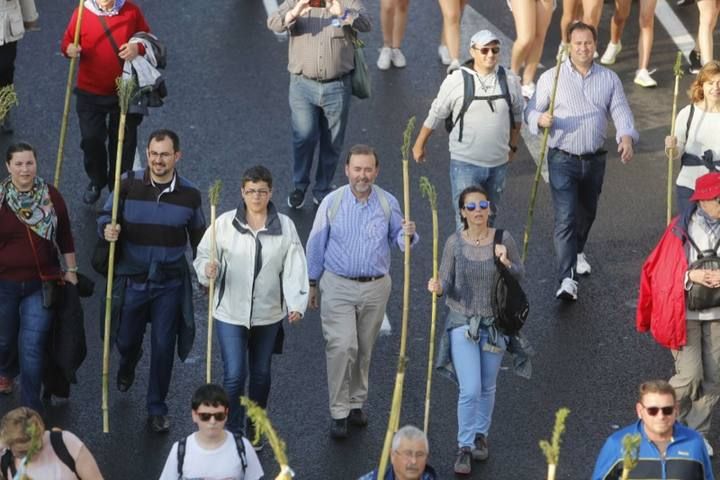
[
  {"x": 384, "y": 203},
  {"x": 181, "y": 456},
  {"x": 58, "y": 445},
  {"x": 336, "y": 201},
  {"x": 689, "y": 121},
  {"x": 7, "y": 462},
  {"x": 240, "y": 444},
  {"x": 694, "y": 245},
  {"x": 468, "y": 97},
  {"x": 505, "y": 91}
]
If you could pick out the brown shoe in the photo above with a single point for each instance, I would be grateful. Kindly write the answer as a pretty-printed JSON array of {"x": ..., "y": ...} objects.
[
  {"x": 463, "y": 461},
  {"x": 6, "y": 385},
  {"x": 480, "y": 450}
]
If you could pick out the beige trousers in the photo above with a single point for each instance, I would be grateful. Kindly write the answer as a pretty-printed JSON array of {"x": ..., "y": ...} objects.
[
  {"x": 697, "y": 374},
  {"x": 351, "y": 314}
]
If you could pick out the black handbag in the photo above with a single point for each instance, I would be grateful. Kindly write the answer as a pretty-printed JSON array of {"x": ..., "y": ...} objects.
[
  {"x": 509, "y": 303},
  {"x": 700, "y": 297}
]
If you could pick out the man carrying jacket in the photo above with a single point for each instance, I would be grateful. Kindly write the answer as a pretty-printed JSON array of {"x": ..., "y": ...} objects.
[
  {"x": 692, "y": 335},
  {"x": 668, "y": 450}
]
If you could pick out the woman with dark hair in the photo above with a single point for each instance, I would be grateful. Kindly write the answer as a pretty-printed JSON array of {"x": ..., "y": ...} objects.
[
  {"x": 34, "y": 233},
  {"x": 472, "y": 348},
  {"x": 696, "y": 137},
  {"x": 262, "y": 277}
]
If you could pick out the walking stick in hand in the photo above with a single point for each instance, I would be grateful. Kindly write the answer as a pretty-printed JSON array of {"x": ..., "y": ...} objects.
[
  {"x": 125, "y": 89},
  {"x": 394, "y": 420},
  {"x": 678, "y": 70},
  {"x": 68, "y": 93},
  {"x": 543, "y": 152},
  {"x": 428, "y": 191},
  {"x": 214, "y": 196},
  {"x": 552, "y": 449}
]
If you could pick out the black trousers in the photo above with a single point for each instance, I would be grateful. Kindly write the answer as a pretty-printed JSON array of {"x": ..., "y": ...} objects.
[
  {"x": 99, "y": 118},
  {"x": 8, "y": 53}
]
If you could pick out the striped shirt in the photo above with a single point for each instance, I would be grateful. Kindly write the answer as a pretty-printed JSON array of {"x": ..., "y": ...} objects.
[
  {"x": 317, "y": 49},
  {"x": 583, "y": 106},
  {"x": 156, "y": 225},
  {"x": 358, "y": 242}
]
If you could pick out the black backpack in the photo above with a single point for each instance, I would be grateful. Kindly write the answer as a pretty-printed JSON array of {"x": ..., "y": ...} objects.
[
  {"x": 469, "y": 97},
  {"x": 509, "y": 303},
  {"x": 238, "y": 443},
  {"x": 58, "y": 445},
  {"x": 700, "y": 297}
]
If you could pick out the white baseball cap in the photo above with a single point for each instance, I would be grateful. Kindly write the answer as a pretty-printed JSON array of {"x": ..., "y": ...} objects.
[{"x": 483, "y": 37}]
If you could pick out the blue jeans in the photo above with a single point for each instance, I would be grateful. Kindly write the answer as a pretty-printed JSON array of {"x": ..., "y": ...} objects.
[
  {"x": 158, "y": 305},
  {"x": 318, "y": 111},
  {"x": 242, "y": 348},
  {"x": 682, "y": 197},
  {"x": 24, "y": 329},
  {"x": 477, "y": 370},
  {"x": 464, "y": 174},
  {"x": 576, "y": 184}
]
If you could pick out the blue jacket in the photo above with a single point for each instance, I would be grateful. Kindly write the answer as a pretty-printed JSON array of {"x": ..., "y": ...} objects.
[
  {"x": 686, "y": 457},
  {"x": 428, "y": 474}
]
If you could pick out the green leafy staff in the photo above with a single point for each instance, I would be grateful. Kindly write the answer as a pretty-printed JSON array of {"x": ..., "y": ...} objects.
[
  {"x": 214, "y": 196},
  {"x": 68, "y": 93},
  {"x": 678, "y": 70},
  {"x": 428, "y": 191},
  {"x": 8, "y": 99},
  {"x": 125, "y": 89},
  {"x": 631, "y": 453},
  {"x": 543, "y": 153},
  {"x": 552, "y": 450},
  {"x": 394, "y": 420},
  {"x": 263, "y": 427}
]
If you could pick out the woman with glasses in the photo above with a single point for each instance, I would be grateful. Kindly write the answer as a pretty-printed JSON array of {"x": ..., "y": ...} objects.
[
  {"x": 261, "y": 277},
  {"x": 472, "y": 348},
  {"x": 696, "y": 138}
]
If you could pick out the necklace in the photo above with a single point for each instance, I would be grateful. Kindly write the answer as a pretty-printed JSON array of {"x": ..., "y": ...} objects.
[
  {"x": 490, "y": 78},
  {"x": 477, "y": 240}
]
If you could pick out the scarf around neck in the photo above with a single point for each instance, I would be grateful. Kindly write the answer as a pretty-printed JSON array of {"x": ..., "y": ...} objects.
[
  {"x": 34, "y": 208},
  {"x": 710, "y": 225},
  {"x": 93, "y": 6}
]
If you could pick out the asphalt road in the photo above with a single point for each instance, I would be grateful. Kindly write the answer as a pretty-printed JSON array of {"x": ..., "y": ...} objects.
[{"x": 228, "y": 83}]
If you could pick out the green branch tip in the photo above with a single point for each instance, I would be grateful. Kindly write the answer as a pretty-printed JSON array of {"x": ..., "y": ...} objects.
[
  {"x": 214, "y": 193},
  {"x": 631, "y": 451},
  {"x": 552, "y": 449},
  {"x": 125, "y": 91},
  {"x": 678, "y": 67},
  {"x": 427, "y": 189},
  {"x": 8, "y": 99},
  {"x": 263, "y": 427},
  {"x": 407, "y": 138}
]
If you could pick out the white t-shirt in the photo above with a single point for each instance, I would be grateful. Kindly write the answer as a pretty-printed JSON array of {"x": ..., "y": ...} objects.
[
  {"x": 222, "y": 463},
  {"x": 703, "y": 136}
]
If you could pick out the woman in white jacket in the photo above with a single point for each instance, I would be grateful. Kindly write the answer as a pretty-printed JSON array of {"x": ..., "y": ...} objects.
[{"x": 261, "y": 274}]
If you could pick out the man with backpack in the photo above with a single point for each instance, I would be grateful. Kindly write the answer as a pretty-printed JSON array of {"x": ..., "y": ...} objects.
[
  {"x": 348, "y": 253},
  {"x": 481, "y": 105},
  {"x": 212, "y": 451}
]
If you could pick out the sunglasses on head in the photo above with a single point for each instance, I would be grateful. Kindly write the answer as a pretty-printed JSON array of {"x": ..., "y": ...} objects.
[
  {"x": 667, "y": 411},
  {"x": 205, "y": 416},
  {"x": 482, "y": 205},
  {"x": 486, "y": 50}
]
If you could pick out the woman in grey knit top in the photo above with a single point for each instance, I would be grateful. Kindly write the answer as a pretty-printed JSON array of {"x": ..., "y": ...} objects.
[{"x": 476, "y": 347}]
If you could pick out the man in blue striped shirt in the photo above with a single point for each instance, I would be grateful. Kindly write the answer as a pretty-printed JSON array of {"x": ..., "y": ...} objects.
[
  {"x": 587, "y": 96},
  {"x": 348, "y": 253}
]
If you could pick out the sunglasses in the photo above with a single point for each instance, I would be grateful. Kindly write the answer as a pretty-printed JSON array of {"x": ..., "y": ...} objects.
[
  {"x": 667, "y": 411},
  {"x": 205, "y": 416},
  {"x": 486, "y": 50},
  {"x": 482, "y": 205}
]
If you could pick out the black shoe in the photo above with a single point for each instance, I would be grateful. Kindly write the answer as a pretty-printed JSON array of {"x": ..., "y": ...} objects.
[
  {"x": 358, "y": 417},
  {"x": 296, "y": 199},
  {"x": 126, "y": 374},
  {"x": 251, "y": 434},
  {"x": 695, "y": 62},
  {"x": 338, "y": 428},
  {"x": 159, "y": 423},
  {"x": 91, "y": 195}
]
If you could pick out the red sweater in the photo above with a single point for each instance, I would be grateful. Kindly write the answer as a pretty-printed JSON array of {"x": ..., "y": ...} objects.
[
  {"x": 17, "y": 262},
  {"x": 99, "y": 64}
]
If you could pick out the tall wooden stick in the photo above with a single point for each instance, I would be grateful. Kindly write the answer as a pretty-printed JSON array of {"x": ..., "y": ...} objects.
[
  {"x": 428, "y": 190},
  {"x": 552, "y": 449},
  {"x": 125, "y": 90},
  {"x": 394, "y": 420},
  {"x": 68, "y": 93},
  {"x": 214, "y": 196},
  {"x": 671, "y": 151},
  {"x": 543, "y": 152},
  {"x": 264, "y": 427}
]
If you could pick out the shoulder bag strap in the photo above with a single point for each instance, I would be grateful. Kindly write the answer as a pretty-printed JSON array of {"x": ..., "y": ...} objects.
[
  {"x": 497, "y": 240},
  {"x": 61, "y": 450},
  {"x": 110, "y": 38},
  {"x": 689, "y": 121},
  {"x": 241, "y": 450},
  {"x": 35, "y": 256},
  {"x": 181, "y": 456}
]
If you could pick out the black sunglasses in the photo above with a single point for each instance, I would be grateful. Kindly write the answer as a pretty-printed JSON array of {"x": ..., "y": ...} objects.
[
  {"x": 486, "y": 50},
  {"x": 205, "y": 416},
  {"x": 667, "y": 411},
  {"x": 482, "y": 205}
]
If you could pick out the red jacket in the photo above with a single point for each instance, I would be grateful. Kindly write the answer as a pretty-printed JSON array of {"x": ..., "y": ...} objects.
[
  {"x": 99, "y": 64},
  {"x": 661, "y": 304}
]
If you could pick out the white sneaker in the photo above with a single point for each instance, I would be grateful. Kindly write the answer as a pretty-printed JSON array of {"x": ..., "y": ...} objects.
[
  {"x": 454, "y": 65},
  {"x": 563, "y": 51},
  {"x": 568, "y": 289},
  {"x": 611, "y": 52},
  {"x": 643, "y": 78},
  {"x": 398, "y": 59},
  {"x": 383, "y": 61},
  {"x": 528, "y": 90},
  {"x": 582, "y": 267},
  {"x": 444, "y": 55},
  {"x": 708, "y": 447}
]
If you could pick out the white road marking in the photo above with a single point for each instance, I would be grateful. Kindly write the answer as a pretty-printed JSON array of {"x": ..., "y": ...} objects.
[{"x": 675, "y": 28}]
